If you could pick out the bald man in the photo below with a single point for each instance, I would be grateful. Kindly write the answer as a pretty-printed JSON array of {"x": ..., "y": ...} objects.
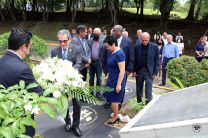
[
  {"x": 97, "y": 48},
  {"x": 146, "y": 66}
]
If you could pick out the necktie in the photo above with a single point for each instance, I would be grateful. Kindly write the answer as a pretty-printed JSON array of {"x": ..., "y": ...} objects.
[
  {"x": 118, "y": 42},
  {"x": 64, "y": 54}
]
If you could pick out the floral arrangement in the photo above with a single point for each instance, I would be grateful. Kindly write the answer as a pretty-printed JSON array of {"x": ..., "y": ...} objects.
[{"x": 61, "y": 81}]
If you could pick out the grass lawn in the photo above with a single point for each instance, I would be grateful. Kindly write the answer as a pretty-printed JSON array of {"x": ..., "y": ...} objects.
[{"x": 155, "y": 12}]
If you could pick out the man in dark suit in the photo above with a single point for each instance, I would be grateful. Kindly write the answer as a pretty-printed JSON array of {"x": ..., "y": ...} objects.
[
  {"x": 81, "y": 42},
  {"x": 96, "y": 47},
  {"x": 73, "y": 53},
  {"x": 89, "y": 33},
  {"x": 127, "y": 46},
  {"x": 146, "y": 66},
  {"x": 12, "y": 68}
]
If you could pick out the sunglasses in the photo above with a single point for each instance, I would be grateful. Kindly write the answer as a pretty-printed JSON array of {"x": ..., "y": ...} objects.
[{"x": 62, "y": 41}]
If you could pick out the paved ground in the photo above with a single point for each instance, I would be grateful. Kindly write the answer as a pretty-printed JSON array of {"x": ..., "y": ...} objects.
[{"x": 92, "y": 119}]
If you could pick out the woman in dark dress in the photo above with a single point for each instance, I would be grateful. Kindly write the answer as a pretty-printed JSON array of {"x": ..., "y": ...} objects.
[
  {"x": 200, "y": 49},
  {"x": 116, "y": 76}
]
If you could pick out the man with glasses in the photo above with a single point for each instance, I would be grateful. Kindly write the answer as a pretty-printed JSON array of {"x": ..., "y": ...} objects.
[
  {"x": 73, "y": 53},
  {"x": 12, "y": 68},
  {"x": 81, "y": 42}
]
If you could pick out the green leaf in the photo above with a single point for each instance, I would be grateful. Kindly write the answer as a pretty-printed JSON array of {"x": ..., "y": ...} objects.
[
  {"x": 8, "y": 121},
  {"x": 2, "y": 87},
  {"x": 23, "y": 136},
  {"x": 32, "y": 85},
  {"x": 28, "y": 121},
  {"x": 6, "y": 132},
  {"x": 48, "y": 110},
  {"x": 22, "y": 84},
  {"x": 3, "y": 114}
]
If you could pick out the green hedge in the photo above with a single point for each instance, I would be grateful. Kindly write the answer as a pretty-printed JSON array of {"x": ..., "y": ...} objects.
[
  {"x": 39, "y": 46},
  {"x": 188, "y": 70}
]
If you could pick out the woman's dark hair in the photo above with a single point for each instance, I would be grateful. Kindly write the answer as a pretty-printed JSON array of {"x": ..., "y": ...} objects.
[
  {"x": 18, "y": 37},
  {"x": 110, "y": 40},
  {"x": 180, "y": 39}
]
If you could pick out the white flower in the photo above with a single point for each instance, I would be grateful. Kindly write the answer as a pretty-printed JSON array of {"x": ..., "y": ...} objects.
[
  {"x": 35, "y": 110},
  {"x": 28, "y": 107},
  {"x": 56, "y": 94}
]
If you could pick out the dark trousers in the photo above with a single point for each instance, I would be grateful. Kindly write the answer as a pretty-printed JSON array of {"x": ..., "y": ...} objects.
[
  {"x": 30, "y": 131},
  {"x": 143, "y": 75},
  {"x": 95, "y": 69},
  {"x": 76, "y": 114},
  {"x": 164, "y": 69},
  {"x": 84, "y": 73}
]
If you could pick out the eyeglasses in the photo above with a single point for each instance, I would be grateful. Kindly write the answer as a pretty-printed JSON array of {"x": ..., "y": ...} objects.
[{"x": 62, "y": 41}]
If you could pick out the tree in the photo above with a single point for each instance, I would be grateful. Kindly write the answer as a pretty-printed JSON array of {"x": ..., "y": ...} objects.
[
  {"x": 191, "y": 10},
  {"x": 199, "y": 5},
  {"x": 114, "y": 8},
  {"x": 1, "y": 13},
  {"x": 142, "y": 8},
  {"x": 165, "y": 8},
  {"x": 10, "y": 6}
]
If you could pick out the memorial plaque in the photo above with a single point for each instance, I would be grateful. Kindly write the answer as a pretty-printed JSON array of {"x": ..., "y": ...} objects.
[{"x": 180, "y": 113}]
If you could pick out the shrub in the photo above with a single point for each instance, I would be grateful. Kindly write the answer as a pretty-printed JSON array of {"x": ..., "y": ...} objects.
[
  {"x": 188, "y": 70},
  {"x": 39, "y": 46}
]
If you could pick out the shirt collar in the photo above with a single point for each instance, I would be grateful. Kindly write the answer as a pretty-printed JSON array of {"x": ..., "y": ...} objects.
[
  {"x": 14, "y": 53},
  {"x": 120, "y": 38}
]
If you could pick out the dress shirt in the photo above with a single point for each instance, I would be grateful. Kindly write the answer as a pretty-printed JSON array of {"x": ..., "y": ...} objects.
[
  {"x": 170, "y": 51},
  {"x": 119, "y": 40}
]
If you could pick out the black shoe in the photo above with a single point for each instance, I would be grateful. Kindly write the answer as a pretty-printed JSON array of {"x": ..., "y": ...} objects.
[
  {"x": 67, "y": 127},
  {"x": 162, "y": 84},
  {"x": 111, "y": 123},
  {"x": 77, "y": 132},
  {"x": 98, "y": 95},
  {"x": 107, "y": 105}
]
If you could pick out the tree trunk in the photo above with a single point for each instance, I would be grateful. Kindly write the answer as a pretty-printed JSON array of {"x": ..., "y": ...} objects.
[
  {"x": 113, "y": 10},
  {"x": 52, "y": 5},
  {"x": 106, "y": 4},
  {"x": 74, "y": 11},
  {"x": 138, "y": 3},
  {"x": 45, "y": 10},
  {"x": 165, "y": 8},
  {"x": 198, "y": 9},
  {"x": 34, "y": 5},
  {"x": 191, "y": 11},
  {"x": 11, "y": 11},
  {"x": 102, "y": 7},
  {"x": 2, "y": 16},
  {"x": 122, "y": 4},
  {"x": 142, "y": 8},
  {"x": 68, "y": 6}
]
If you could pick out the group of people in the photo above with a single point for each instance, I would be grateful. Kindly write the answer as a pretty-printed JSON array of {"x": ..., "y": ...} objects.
[{"x": 115, "y": 55}]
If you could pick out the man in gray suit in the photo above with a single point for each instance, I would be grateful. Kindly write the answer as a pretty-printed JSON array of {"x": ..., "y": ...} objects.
[
  {"x": 73, "y": 53},
  {"x": 81, "y": 42}
]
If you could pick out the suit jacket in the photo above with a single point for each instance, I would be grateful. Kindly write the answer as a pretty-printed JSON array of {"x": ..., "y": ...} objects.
[
  {"x": 86, "y": 55},
  {"x": 128, "y": 49},
  {"x": 100, "y": 51},
  {"x": 152, "y": 59},
  {"x": 74, "y": 55},
  {"x": 12, "y": 70}
]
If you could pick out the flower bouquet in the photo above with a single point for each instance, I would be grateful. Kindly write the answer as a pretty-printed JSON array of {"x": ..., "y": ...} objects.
[{"x": 61, "y": 80}]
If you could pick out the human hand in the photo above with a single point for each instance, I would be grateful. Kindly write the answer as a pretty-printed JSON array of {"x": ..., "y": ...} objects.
[{"x": 118, "y": 88}]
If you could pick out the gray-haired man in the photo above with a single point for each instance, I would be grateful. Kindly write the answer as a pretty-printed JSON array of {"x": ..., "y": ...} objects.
[{"x": 73, "y": 53}]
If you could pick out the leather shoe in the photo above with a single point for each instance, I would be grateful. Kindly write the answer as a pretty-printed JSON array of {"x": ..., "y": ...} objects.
[
  {"x": 77, "y": 132},
  {"x": 107, "y": 105},
  {"x": 162, "y": 84},
  {"x": 67, "y": 127}
]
